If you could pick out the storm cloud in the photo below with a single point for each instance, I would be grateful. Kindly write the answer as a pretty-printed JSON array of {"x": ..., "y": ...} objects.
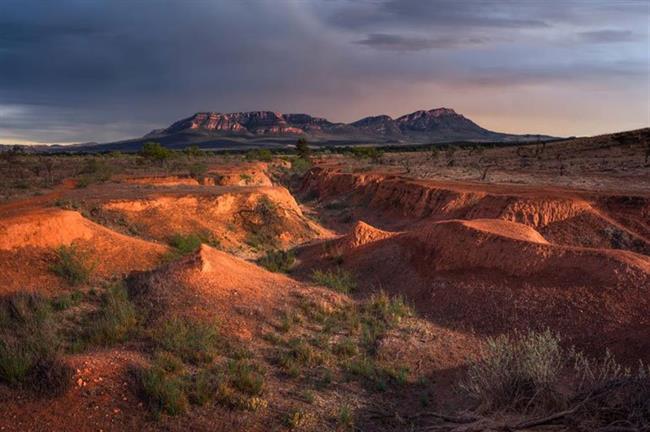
[{"x": 90, "y": 70}]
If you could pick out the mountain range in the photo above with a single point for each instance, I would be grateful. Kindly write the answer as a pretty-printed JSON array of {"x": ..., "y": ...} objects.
[{"x": 240, "y": 130}]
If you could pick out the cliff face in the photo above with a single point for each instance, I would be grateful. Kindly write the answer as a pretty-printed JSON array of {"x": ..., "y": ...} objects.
[{"x": 435, "y": 124}]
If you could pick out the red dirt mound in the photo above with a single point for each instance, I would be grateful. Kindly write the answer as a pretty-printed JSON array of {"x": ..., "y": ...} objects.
[
  {"x": 494, "y": 276},
  {"x": 211, "y": 284},
  {"x": 250, "y": 174},
  {"x": 362, "y": 234},
  {"x": 27, "y": 243},
  {"x": 230, "y": 215}
]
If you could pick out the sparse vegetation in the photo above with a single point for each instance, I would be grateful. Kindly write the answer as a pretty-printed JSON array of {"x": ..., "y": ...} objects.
[
  {"x": 163, "y": 392},
  {"x": 338, "y": 279},
  {"x": 94, "y": 171},
  {"x": 194, "y": 342},
  {"x": 263, "y": 155},
  {"x": 278, "y": 261},
  {"x": 72, "y": 265},
  {"x": 66, "y": 301},
  {"x": 197, "y": 170},
  {"x": 517, "y": 371},
  {"x": 263, "y": 224},
  {"x": 155, "y": 152},
  {"x": 186, "y": 244},
  {"x": 300, "y": 166},
  {"x": 30, "y": 347},
  {"x": 115, "y": 320}
]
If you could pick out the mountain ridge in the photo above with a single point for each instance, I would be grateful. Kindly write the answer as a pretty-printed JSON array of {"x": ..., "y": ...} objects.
[
  {"x": 272, "y": 129},
  {"x": 434, "y": 125}
]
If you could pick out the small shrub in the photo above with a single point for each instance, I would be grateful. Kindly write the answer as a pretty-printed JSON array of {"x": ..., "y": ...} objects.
[
  {"x": 194, "y": 342},
  {"x": 67, "y": 301},
  {"x": 263, "y": 224},
  {"x": 162, "y": 392},
  {"x": 29, "y": 346},
  {"x": 298, "y": 419},
  {"x": 346, "y": 348},
  {"x": 517, "y": 371},
  {"x": 50, "y": 376},
  {"x": 155, "y": 152},
  {"x": 94, "y": 171},
  {"x": 246, "y": 377},
  {"x": 300, "y": 166},
  {"x": 185, "y": 244},
  {"x": 263, "y": 155},
  {"x": 168, "y": 362},
  {"x": 197, "y": 170},
  {"x": 277, "y": 261},
  {"x": 202, "y": 388},
  {"x": 339, "y": 280},
  {"x": 345, "y": 418},
  {"x": 389, "y": 310},
  {"x": 72, "y": 265},
  {"x": 116, "y": 319}
]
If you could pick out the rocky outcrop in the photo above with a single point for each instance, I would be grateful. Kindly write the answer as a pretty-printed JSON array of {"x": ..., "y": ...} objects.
[{"x": 434, "y": 125}]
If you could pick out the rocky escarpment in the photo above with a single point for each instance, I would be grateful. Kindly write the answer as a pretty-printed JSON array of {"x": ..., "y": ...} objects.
[
  {"x": 438, "y": 124},
  {"x": 587, "y": 221}
]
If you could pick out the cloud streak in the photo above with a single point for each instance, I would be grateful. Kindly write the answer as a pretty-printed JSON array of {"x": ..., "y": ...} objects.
[{"x": 393, "y": 42}]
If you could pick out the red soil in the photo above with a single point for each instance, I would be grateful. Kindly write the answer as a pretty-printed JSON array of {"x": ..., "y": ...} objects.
[
  {"x": 213, "y": 285},
  {"x": 101, "y": 399},
  {"x": 494, "y": 276},
  {"x": 28, "y": 241},
  {"x": 222, "y": 214}
]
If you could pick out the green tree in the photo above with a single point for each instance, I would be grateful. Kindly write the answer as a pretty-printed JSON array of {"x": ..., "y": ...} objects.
[
  {"x": 303, "y": 148},
  {"x": 193, "y": 151},
  {"x": 155, "y": 152}
]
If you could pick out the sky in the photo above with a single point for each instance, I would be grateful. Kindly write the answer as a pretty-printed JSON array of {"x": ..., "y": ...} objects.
[{"x": 91, "y": 70}]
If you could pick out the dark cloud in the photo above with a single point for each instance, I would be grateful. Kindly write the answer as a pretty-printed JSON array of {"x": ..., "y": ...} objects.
[
  {"x": 82, "y": 70},
  {"x": 391, "y": 42},
  {"x": 609, "y": 36}
]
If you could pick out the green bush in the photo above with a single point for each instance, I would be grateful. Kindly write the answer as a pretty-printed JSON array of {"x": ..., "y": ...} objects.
[
  {"x": 155, "y": 152},
  {"x": 67, "y": 301},
  {"x": 263, "y": 155},
  {"x": 162, "y": 392},
  {"x": 367, "y": 152},
  {"x": 277, "y": 261},
  {"x": 193, "y": 341},
  {"x": 202, "y": 388},
  {"x": 116, "y": 319},
  {"x": 193, "y": 151},
  {"x": 94, "y": 171},
  {"x": 338, "y": 279},
  {"x": 517, "y": 371},
  {"x": 72, "y": 265},
  {"x": 263, "y": 224},
  {"x": 29, "y": 346},
  {"x": 299, "y": 166},
  {"x": 389, "y": 310},
  {"x": 246, "y": 377},
  {"x": 186, "y": 244},
  {"x": 197, "y": 170}
]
